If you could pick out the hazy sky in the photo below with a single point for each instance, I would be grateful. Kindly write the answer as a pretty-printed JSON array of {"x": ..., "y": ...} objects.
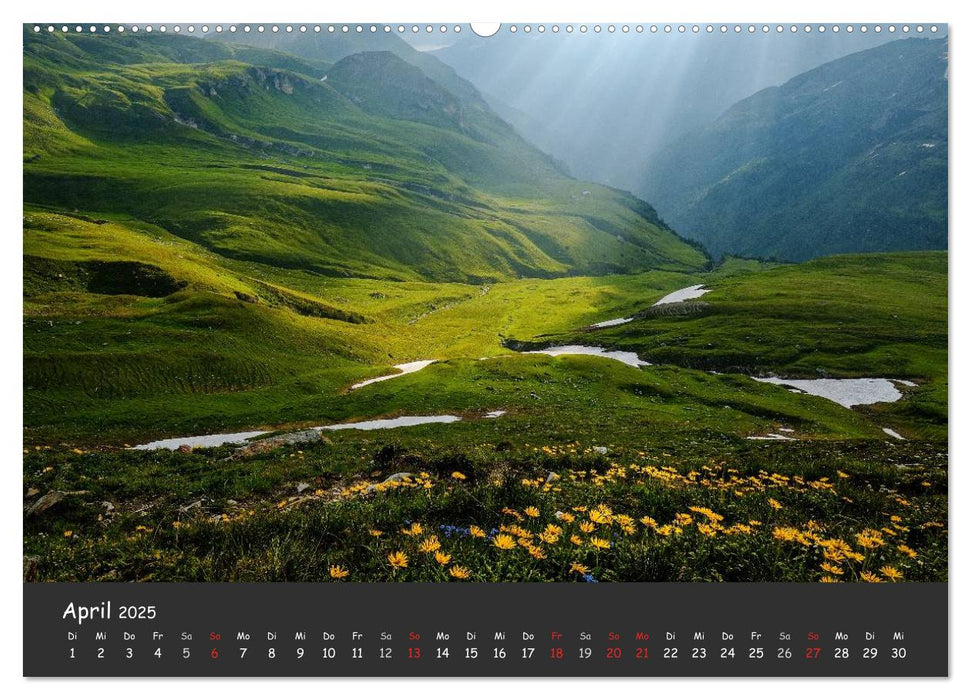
[{"x": 604, "y": 103}]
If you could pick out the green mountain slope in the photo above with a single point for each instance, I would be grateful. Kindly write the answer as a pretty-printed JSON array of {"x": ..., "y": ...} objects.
[
  {"x": 850, "y": 156},
  {"x": 268, "y": 163},
  {"x": 332, "y": 47}
]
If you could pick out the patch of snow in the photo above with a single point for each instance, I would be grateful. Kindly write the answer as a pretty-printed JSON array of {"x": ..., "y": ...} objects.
[
  {"x": 611, "y": 322},
  {"x": 628, "y": 358},
  {"x": 494, "y": 414},
  {"x": 845, "y": 392},
  {"x": 894, "y": 434},
  {"x": 406, "y": 368},
  {"x": 692, "y": 292},
  {"x": 383, "y": 423},
  {"x": 214, "y": 440},
  {"x": 905, "y": 382},
  {"x": 770, "y": 436}
]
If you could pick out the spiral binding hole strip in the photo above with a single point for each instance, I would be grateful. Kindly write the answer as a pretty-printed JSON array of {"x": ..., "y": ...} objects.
[{"x": 512, "y": 28}]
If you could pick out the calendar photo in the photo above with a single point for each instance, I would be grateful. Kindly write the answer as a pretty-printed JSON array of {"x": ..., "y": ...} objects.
[{"x": 532, "y": 303}]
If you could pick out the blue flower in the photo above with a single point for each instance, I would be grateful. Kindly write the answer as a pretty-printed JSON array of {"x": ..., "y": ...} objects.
[{"x": 588, "y": 578}]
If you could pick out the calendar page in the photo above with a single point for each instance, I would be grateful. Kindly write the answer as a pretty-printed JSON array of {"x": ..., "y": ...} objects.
[{"x": 518, "y": 349}]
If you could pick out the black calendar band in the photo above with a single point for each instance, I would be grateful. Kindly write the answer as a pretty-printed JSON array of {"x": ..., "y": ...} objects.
[{"x": 418, "y": 629}]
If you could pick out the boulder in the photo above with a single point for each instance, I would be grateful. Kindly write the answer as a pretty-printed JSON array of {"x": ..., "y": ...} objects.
[
  {"x": 45, "y": 502},
  {"x": 257, "y": 447}
]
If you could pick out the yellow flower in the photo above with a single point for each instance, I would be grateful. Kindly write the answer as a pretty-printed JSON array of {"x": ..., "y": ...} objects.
[
  {"x": 587, "y": 527},
  {"x": 870, "y": 539},
  {"x": 907, "y": 550},
  {"x": 532, "y": 511},
  {"x": 870, "y": 578},
  {"x": 829, "y": 579},
  {"x": 648, "y": 521},
  {"x": 682, "y": 519},
  {"x": 338, "y": 572},
  {"x": 548, "y": 537},
  {"x": 412, "y": 530},
  {"x": 504, "y": 542},
  {"x": 576, "y": 539},
  {"x": 429, "y": 544},
  {"x": 601, "y": 514},
  {"x": 566, "y": 517},
  {"x": 775, "y": 504},
  {"x": 176, "y": 524},
  {"x": 517, "y": 531},
  {"x": 398, "y": 560},
  {"x": 69, "y": 533},
  {"x": 577, "y": 568},
  {"x": 600, "y": 542},
  {"x": 459, "y": 572},
  {"x": 375, "y": 533},
  {"x": 708, "y": 513},
  {"x": 891, "y": 573},
  {"x": 788, "y": 534},
  {"x": 476, "y": 531},
  {"x": 443, "y": 558},
  {"x": 458, "y": 475},
  {"x": 831, "y": 568},
  {"x": 536, "y": 552}
]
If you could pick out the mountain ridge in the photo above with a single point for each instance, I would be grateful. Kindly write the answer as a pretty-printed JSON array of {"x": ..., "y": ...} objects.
[{"x": 850, "y": 156}]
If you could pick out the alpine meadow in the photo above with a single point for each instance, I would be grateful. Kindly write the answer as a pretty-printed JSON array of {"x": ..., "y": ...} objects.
[{"x": 306, "y": 308}]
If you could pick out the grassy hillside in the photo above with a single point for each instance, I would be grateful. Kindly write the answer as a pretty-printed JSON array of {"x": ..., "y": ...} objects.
[
  {"x": 844, "y": 316},
  {"x": 332, "y": 47},
  {"x": 188, "y": 341},
  {"x": 273, "y": 165},
  {"x": 848, "y": 157},
  {"x": 651, "y": 445}
]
